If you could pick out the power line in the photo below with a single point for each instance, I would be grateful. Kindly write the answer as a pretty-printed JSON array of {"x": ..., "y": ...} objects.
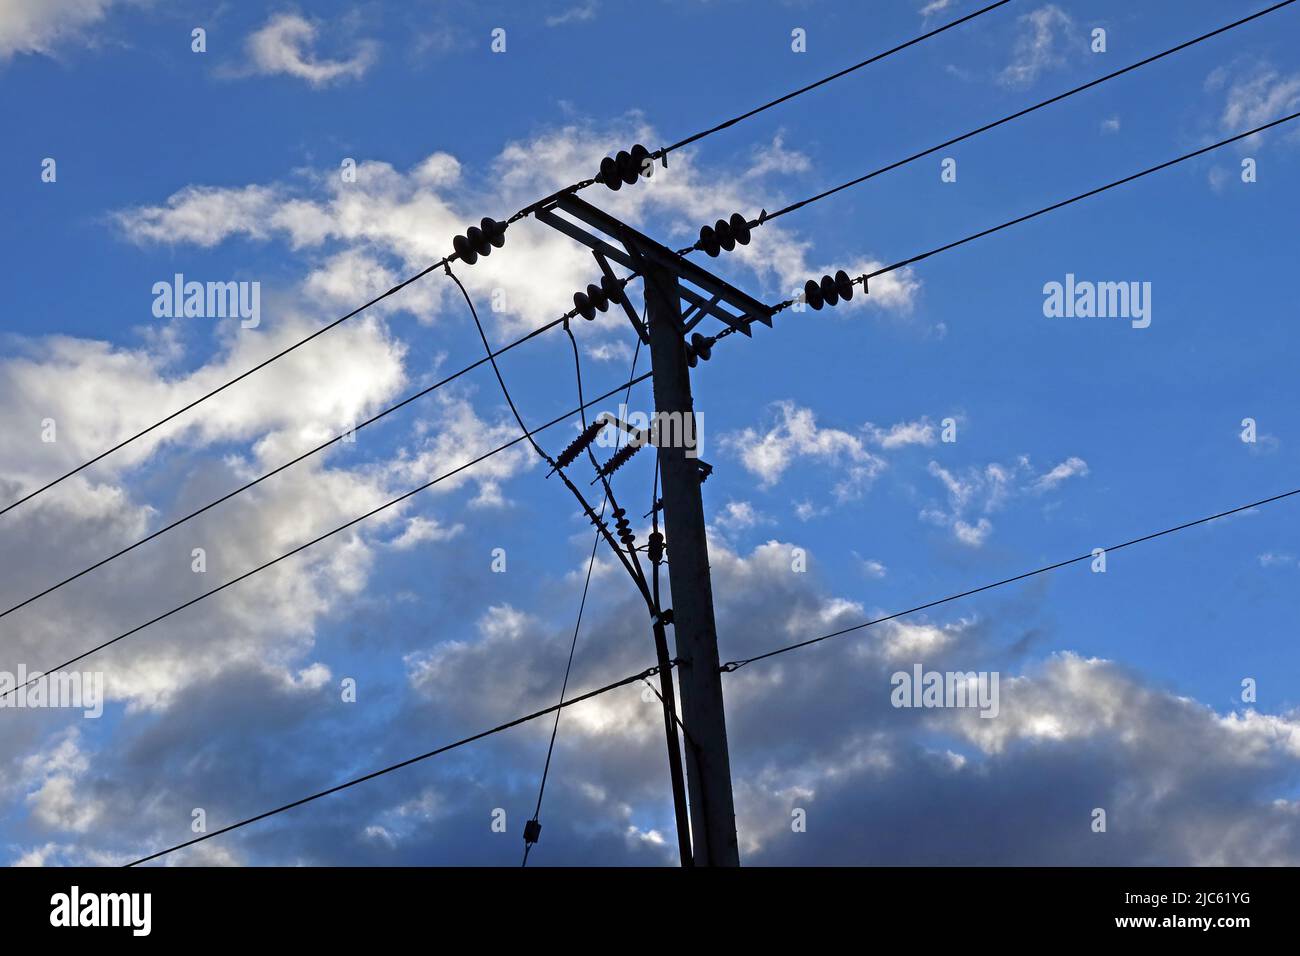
[
  {"x": 221, "y": 388},
  {"x": 736, "y": 665},
  {"x": 564, "y": 687},
  {"x": 768, "y": 217},
  {"x": 328, "y": 534},
  {"x": 460, "y": 254},
  {"x": 651, "y": 671},
  {"x": 307, "y": 454},
  {"x": 632, "y": 567},
  {"x": 648, "y": 672},
  {"x": 822, "y": 82},
  {"x": 864, "y": 280},
  {"x": 582, "y": 604},
  {"x": 1073, "y": 199},
  {"x": 731, "y": 666}
]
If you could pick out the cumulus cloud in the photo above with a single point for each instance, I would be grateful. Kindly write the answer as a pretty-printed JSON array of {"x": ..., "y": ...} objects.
[
  {"x": 1182, "y": 784},
  {"x": 420, "y": 530},
  {"x": 285, "y": 45},
  {"x": 41, "y": 26},
  {"x": 211, "y": 703},
  {"x": 795, "y": 435},
  {"x": 739, "y": 516},
  {"x": 391, "y": 223}
]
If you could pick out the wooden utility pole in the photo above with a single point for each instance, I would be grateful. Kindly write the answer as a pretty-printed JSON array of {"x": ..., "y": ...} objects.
[{"x": 708, "y": 766}]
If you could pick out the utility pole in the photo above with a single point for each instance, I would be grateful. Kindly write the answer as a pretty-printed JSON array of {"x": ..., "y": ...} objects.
[
  {"x": 669, "y": 278},
  {"x": 708, "y": 766}
]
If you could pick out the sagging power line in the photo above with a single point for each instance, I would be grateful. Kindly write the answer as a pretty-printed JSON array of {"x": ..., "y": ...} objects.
[
  {"x": 630, "y": 679},
  {"x": 329, "y": 534},
  {"x": 480, "y": 241},
  {"x": 289, "y": 464},
  {"x": 730, "y": 666},
  {"x": 737, "y": 229},
  {"x": 830, "y": 290}
]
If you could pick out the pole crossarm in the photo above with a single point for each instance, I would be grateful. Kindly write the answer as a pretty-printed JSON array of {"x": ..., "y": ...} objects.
[{"x": 699, "y": 287}]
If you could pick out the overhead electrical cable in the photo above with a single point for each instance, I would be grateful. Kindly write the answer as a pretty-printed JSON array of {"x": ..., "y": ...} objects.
[
  {"x": 785, "y": 649},
  {"x": 302, "y": 547},
  {"x": 633, "y": 678}
]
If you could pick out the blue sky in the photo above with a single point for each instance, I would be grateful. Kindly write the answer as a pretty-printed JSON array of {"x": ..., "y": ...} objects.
[{"x": 1120, "y": 691}]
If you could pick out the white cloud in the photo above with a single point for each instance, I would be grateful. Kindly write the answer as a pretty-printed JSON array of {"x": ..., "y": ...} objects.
[
  {"x": 899, "y": 435},
  {"x": 285, "y": 45},
  {"x": 935, "y": 6},
  {"x": 739, "y": 516},
  {"x": 56, "y": 800},
  {"x": 1253, "y": 98},
  {"x": 393, "y": 223},
  {"x": 795, "y": 436},
  {"x": 419, "y": 530},
  {"x": 39, "y": 26},
  {"x": 1038, "y": 48},
  {"x": 976, "y": 492},
  {"x": 972, "y": 534},
  {"x": 1070, "y": 468},
  {"x": 774, "y": 158},
  {"x": 1110, "y": 124},
  {"x": 873, "y": 568},
  {"x": 575, "y": 14}
]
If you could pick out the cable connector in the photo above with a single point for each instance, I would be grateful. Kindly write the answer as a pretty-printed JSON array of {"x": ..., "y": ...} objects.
[{"x": 532, "y": 832}]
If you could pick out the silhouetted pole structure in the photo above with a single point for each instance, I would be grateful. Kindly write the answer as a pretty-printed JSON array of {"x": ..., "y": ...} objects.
[{"x": 708, "y": 766}]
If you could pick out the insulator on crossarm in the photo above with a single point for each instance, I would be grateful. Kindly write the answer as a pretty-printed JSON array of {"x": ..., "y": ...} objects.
[
  {"x": 700, "y": 349},
  {"x": 598, "y": 297},
  {"x": 829, "y": 291},
  {"x": 480, "y": 240},
  {"x": 625, "y": 167},
  {"x": 812, "y": 294},
  {"x": 619, "y": 459},
  {"x": 579, "y": 444},
  {"x": 725, "y": 234}
]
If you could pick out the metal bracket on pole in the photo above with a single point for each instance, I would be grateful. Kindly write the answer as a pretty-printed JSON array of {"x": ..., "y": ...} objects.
[{"x": 697, "y": 286}]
